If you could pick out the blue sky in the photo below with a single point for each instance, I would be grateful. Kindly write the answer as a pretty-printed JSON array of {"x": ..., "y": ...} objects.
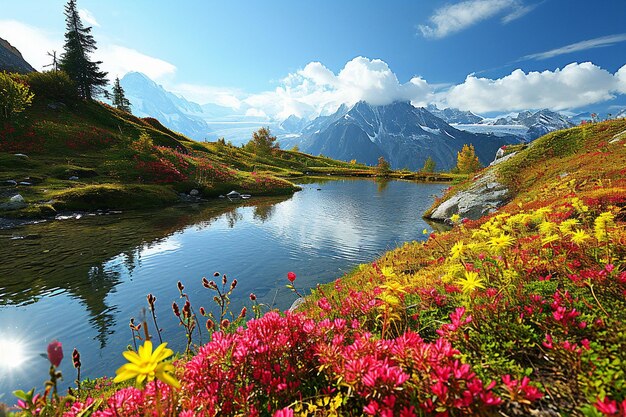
[{"x": 258, "y": 54}]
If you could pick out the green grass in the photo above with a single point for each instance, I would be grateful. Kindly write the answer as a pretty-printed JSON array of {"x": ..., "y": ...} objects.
[{"x": 99, "y": 145}]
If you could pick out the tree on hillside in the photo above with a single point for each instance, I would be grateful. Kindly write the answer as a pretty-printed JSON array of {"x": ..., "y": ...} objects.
[
  {"x": 119, "y": 98},
  {"x": 75, "y": 60},
  {"x": 429, "y": 165},
  {"x": 467, "y": 161},
  {"x": 15, "y": 96},
  {"x": 382, "y": 168},
  {"x": 262, "y": 142}
]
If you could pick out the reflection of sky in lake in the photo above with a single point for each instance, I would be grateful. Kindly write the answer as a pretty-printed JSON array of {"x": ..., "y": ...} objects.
[{"x": 97, "y": 272}]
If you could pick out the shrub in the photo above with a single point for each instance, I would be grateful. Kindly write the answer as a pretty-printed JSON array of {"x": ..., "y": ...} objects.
[
  {"x": 15, "y": 96},
  {"x": 53, "y": 85}
]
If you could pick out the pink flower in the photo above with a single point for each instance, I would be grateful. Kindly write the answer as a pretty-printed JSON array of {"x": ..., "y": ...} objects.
[
  {"x": 606, "y": 406},
  {"x": 55, "y": 353},
  {"x": 291, "y": 276}
]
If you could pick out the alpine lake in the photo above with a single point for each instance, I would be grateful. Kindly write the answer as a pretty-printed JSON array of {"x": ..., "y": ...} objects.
[{"x": 80, "y": 280}]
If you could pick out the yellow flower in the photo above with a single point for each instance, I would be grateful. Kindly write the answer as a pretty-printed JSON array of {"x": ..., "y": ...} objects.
[
  {"x": 455, "y": 218},
  {"x": 601, "y": 225},
  {"x": 470, "y": 282},
  {"x": 567, "y": 225},
  {"x": 147, "y": 365},
  {"x": 549, "y": 239},
  {"x": 579, "y": 236},
  {"x": 457, "y": 250},
  {"x": 579, "y": 206},
  {"x": 501, "y": 242},
  {"x": 387, "y": 271},
  {"x": 425, "y": 232},
  {"x": 547, "y": 228}
]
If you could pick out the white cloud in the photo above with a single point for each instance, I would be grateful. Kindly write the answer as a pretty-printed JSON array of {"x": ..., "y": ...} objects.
[
  {"x": 575, "y": 85},
  {"x": 118, "y": 60},
  {"x": 88, "y": 17},
  {"x": 32, "y": 42},
  {"x": 203, "y": 94},
  {"x": 580, "y": 46},
  {"x": 457, "y": 17},
  {"x": 519, "y": 12},
  {"x": 317, "y": 90}
]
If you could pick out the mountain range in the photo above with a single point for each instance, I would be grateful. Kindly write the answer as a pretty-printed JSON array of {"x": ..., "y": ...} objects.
[{"x": 401, "y": 133}]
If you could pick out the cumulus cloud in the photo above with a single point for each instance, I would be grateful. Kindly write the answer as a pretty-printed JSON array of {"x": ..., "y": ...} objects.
[
  {"x": 579, "y": 46},
  {"x": 203, "y": 94},
  {"x": 317, "y": 90},
  {"x": 88, "y": 17},
  {"x": 460, "y": 16},
  {"x": 118, "y": 60},
  {"x": 575, "y": 85}
]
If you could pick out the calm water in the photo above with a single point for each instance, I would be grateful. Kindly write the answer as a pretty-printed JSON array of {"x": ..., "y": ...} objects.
[{"x": 80, "y": 281}]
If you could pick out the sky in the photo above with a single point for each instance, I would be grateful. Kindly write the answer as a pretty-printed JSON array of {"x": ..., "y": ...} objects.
[{"x": 280, "y": 57}]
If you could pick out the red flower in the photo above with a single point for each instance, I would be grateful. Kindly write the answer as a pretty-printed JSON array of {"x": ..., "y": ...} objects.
[
  {"x": 55, "y": 353},
  {"x": 291, "y": 276}
]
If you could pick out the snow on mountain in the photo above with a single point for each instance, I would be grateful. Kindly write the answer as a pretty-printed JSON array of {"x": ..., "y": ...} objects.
[
  {"x": 455, "y": 116},
  {"x": 536, "y": 124},
  {"x": 403, "y": 134}
]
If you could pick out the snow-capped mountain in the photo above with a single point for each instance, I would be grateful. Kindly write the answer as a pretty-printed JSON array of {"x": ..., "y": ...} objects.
[
  {"x": 405, "y": 135},
  {"x": 621, "y": 114},
  {"x": 454, "y": 116},
  {"x": 537, "y": 124},
  {"x": 148, "y": 99},
  {"x": 200, "y": 122}
]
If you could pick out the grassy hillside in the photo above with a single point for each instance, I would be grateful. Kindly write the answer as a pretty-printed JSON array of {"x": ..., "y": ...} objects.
[
  {"x": 92, "y": 156},
  {"x": 116, "y": 160},
  {"x": 519, "y": 313}
]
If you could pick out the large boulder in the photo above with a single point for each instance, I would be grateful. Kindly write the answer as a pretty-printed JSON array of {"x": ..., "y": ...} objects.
[{"x": 483, "y": 197}]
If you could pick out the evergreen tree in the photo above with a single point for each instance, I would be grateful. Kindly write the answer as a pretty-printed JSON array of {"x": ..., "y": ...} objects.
[
  {"x": 119, "y": 99},
  {"x": 467, "y": 161},
  {"x": 75, "y": 61},
  {"x": 429, "y": 165}
]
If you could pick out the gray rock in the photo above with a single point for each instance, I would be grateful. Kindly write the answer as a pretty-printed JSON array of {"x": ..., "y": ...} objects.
[
  {"x": 483, "y": 197},
  {"x": 16, "y": 202},
  {"x": 194, "y": 193},
  {"x": 73, "y": 178},
  {"x": 56, "y": 106},
  {"x": 21, "y": 155},
  {"x": 11, "y": 182},
  {"x": 25, "y": 183},
  {"x": 296, "y": 304}
]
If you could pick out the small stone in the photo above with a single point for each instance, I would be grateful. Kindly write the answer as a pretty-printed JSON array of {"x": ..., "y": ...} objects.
[
  {"x": 73, "y": 178},
  {"x": 194, "y": 193},
  {"x": 21, "y": 155},
  {"x": 25, "y": 183},
  {"x": 16, "y": 202},
  {"x": 11, "y": 182}
]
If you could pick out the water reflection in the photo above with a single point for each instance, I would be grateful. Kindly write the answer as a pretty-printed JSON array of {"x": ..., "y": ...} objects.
[
  {"x": 88, "y": 258},
  {"x": 81, "y": 280}
]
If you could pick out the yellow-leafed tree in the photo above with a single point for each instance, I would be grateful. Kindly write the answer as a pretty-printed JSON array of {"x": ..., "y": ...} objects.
[{"x": 467, "y": 161}]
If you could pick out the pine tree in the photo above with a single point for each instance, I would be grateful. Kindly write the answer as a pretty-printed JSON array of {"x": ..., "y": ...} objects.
[
  {"x": 467, "y": 161},
  {"x": 119, "y": 99},
  {"x": 75, "y": 61},
  {"x": 429, "y": 165}
]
